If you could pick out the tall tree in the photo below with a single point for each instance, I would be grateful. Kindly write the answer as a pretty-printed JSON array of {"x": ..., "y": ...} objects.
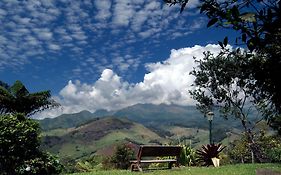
[
  {"x": 17, "y": 99},
  {"x": 259, "y": 24},
  {"x": 223, "y": 82}
]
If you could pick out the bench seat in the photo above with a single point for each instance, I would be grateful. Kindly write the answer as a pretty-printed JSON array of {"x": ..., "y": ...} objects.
[
  {"x": 147, "y": 152},
  {"x": 155, "y": 161}
]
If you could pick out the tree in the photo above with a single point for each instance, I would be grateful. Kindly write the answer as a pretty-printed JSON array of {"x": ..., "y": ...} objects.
[
  {"x": 19, "y": 151},
  {"x": 269, "y": 145},
  {"x": 259, "y": 24},
  {"x": 122, "y": 156},
  {"x": 17, "y": 99},
  {"x": 223, "y": 82}
]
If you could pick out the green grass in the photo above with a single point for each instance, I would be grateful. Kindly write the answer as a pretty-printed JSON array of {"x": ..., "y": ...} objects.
[{"x": 238, "y": 169}]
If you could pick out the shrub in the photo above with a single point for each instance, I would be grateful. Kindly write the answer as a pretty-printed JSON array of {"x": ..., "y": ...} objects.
[
  {"x": 188, "y": 156},
  {"x": 120, "y": 159},
  {"x": 269, "y": 148},
  {"x": 122, "y": 156},
  {"x": 43, "y": 164},
  {"x": 239, "y": 151},
  {"x": 274, "y": 154},
  {"x": 19, "y": 151},
  {"x": 88, "y": 164}
]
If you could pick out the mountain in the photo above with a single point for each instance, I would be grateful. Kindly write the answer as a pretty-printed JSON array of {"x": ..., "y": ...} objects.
[
  {"x": 72, "y": 120},
  {"x": 97, "y": 137},
  {"x": 66, "y": 120},
  {"x": 83, "y": 134},
  {"x": 149, "y": 115}
]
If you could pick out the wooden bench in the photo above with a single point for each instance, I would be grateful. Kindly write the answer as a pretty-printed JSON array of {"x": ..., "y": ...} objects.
[{"x": 147, "y": 152}]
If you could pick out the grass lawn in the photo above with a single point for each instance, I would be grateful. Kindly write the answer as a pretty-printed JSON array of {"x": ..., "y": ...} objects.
[{"x": 238, "y": 169}]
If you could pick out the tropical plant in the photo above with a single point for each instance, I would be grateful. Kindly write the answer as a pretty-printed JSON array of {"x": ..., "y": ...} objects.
[
  {"x": 19, "y": 150},
  {"x": 88, "y": 164},
  {"x": 207, "y": 152},
  {"x": 17, "y": 99},
  {"x": 188, "y": 156}
]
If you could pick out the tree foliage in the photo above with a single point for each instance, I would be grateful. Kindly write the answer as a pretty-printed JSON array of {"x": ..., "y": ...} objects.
[
  {"x": 122, "y": 156},
  {"x": 259, "y": 25},
  {"x": 223, "y": 82},
  {"x": 239, "y": 150},
  {"x": 19, "y": 151},
  {"x": 17, "y": 99}
]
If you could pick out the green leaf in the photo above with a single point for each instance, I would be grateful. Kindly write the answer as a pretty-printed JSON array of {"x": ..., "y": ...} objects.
[
  {"x": 212, "y": 22},
  {"x": 235, "y": 12},
  {"x": 244, "y": 37},
  {"x": 250, "y": 45},
  {"x": 225, "y": 41},
  {"x": 203, "y": 8},
  {"x": 221, "y": 44},
  {"x": 183, "y": 6}
]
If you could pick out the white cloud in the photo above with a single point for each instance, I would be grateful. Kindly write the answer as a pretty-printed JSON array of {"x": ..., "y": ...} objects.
[
  {"x": 54, "y": 47},
  {"x": 167, "y": 82},
  {"x": 123, "y": 12},
  {"x": 75, "y": 27},
  {"x": 103, "y": 9},
  {"x": 43, "y": 33}
]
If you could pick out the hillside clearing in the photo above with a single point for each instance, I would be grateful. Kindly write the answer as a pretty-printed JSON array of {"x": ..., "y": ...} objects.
[{"x": 238, "y": 169}]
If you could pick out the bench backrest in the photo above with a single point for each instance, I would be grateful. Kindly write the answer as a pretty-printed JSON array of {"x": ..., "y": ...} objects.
[{"x": 158, "y": 150}]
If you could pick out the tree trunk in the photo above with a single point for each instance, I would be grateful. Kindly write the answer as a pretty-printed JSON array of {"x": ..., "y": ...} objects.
[{"x": 253, "y": 157}]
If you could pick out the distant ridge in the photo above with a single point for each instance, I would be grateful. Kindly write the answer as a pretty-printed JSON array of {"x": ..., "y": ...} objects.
[
  {"x": 147, "y": 114},
  {"x": 66, "y": 120},
  {"x": 150, "y": 114}
]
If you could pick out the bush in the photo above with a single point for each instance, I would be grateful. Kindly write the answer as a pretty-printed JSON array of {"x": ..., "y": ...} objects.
[
  {"x": 271, "y": 148},
  {"x": 188, "y": 156},
  {"x": 43, "y": 164},
  {"x": 239, "y": 151},
  {"x": 120, "y": 159},
  {"x": 122, "y": 156},
  {"x": 88, "y": 164},
  {"x": 19, "y": 151},
  {"x": 268, "y": 146}
]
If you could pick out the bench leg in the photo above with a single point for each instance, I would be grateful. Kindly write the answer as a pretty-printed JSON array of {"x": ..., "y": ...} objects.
[
  {"x": 170, "y": 165},
  {"x": 136, "y": 166},
  {"x": 132, "y": 167},
  {"x": 139, "y": 168}
]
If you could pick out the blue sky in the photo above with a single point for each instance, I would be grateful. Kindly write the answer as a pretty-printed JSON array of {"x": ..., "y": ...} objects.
[{"x": 103, "y": 53}]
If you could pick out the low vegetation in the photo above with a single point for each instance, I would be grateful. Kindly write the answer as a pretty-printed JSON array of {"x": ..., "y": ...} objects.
[{"x": 238, "y": 169}]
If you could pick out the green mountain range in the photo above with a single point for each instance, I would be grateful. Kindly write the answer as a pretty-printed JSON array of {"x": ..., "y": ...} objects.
[
  {"x": 146, "y": 114},
  {"x": 97, "y": 137},
  {"x": 82, "y": 134}
]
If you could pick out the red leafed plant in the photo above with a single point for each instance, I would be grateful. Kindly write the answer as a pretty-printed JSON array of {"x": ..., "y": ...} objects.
[{"x": 207, "y": 152}]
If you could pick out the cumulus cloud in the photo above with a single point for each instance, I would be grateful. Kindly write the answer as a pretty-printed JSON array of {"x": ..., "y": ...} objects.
[{"x": 166, "y": 82}]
